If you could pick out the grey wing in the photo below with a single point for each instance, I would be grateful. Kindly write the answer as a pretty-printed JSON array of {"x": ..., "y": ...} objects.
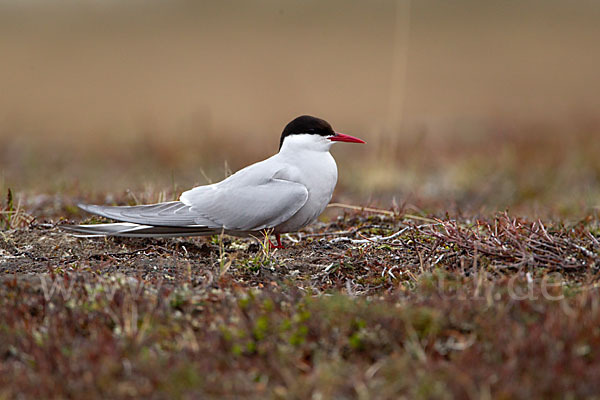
[
  {"x": 173, "y": 213},
  {"x": 232, "y": 207},
  {"x": 248, "y": 207}
]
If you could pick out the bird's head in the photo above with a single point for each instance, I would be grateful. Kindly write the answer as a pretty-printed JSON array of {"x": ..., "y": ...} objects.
[{"x": 313, "y": 133}]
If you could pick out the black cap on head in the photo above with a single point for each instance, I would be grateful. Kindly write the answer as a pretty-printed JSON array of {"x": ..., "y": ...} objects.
[{"x": 306, "y": 124}]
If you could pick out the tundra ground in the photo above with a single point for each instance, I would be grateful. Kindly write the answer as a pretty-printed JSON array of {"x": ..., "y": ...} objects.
[{"x": 370, "y": 305}]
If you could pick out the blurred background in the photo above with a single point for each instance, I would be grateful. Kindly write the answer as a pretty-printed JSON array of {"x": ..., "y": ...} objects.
[{"x": 465, "y": 105}]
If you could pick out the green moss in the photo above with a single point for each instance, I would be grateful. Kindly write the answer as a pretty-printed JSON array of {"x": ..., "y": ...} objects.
[{"x": 261, "y": 327}]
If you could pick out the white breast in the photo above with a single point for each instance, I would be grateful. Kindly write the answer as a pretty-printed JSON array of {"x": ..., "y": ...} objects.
[{"x": 315, "y": 168}]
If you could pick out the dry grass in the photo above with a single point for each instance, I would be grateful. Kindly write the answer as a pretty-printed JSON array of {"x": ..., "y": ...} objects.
[
  {"x": 12, "y": 216},
  {"x": 370, "y": 305}
]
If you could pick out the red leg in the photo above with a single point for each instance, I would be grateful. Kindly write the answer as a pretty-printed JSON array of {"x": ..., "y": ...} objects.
[{"x": 279, "y": 245}]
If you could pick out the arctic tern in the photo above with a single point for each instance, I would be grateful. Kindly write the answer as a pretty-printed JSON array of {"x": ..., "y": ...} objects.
[{"x": 281, "y": 194}]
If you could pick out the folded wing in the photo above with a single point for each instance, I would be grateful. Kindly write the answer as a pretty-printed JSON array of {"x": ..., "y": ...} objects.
[
  {"x": 247, "y": 208},
  {"x": 173, "y": 213},
  {"x": 231, "y": 207}
]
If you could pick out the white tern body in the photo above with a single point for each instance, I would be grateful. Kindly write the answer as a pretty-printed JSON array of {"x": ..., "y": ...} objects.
[{"x": 284, "y": 193}]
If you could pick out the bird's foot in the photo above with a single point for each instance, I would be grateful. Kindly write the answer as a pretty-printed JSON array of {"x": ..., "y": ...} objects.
[{"x": 279, "y": 245}]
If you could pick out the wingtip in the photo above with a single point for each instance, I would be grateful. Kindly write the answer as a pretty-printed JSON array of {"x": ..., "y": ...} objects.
[
  {"x": 78, "y": 231},
  {"x": 69, "y": 228}
]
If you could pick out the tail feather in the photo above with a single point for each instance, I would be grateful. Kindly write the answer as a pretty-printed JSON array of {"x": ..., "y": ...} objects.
[{"x": 127, "y": 229}]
